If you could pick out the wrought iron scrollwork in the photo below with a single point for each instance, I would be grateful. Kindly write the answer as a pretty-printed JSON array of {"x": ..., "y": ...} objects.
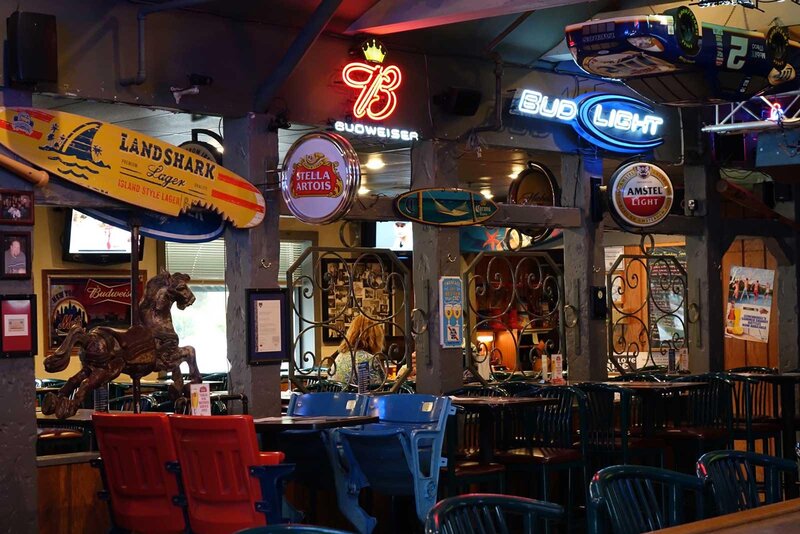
[
  {"x": 647, "y": 296},
  {"x": 511, "y": 295},
  {"x": 347, "y": 283}
]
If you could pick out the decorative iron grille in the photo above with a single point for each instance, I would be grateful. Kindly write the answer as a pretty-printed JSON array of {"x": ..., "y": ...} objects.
[
  {"x": 517, "y": 299},
  {"x": 647, "y": 295},
  {"x": 327, "y": 289}
]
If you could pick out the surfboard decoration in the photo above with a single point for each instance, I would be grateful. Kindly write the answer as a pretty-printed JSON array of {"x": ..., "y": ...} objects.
[
  {"x": 445, "y": 207},
  {"x": 194, "y": 226},
  {"x": 128, "y": 166}
]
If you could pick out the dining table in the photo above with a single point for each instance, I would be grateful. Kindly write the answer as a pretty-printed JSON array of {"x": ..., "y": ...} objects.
[
  {"x": 487, "y": 409},
  {"x": 779, "y": 518},
  {"x": 282, "y": 423}
]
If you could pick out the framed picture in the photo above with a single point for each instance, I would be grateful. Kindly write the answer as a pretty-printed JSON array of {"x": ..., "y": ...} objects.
[
  {"x": 86, "y": 298},
  {"x": 18, "y": 335},
  {"x": 16, "y": 207},
  {"x": 16, "y": 255},
  {"x": 370, "y": 291},
  {"x": 267, "y": 326}
]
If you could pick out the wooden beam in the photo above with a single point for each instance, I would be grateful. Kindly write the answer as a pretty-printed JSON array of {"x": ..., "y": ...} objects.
[
  {"x": 733, "y": 228},
  {"x": 393, "y": 16},
  {"x": 751, "y": 202},
  {"x": 672, "y": 225},
  {"x": 508, "y": 215}
]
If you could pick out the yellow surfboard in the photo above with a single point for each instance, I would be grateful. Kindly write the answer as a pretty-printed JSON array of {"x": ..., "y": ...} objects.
[{"x": 128, "y": 166}]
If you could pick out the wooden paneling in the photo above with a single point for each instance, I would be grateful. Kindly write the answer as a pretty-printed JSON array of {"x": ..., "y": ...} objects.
[
  {"x": 68, "y": 502},
  {"x": 750, "y": 253}
]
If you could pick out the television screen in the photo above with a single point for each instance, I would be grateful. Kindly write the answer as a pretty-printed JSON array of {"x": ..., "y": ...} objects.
[
  {"x": 89, "y": 240},
  {"x": 394, "y": 235}
]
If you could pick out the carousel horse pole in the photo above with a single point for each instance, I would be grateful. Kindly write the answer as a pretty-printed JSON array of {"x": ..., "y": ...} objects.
[{"x": 135, "y": 319}]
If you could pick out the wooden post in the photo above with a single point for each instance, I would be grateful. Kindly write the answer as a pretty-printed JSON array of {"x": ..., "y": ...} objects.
[
  {"x": 251, "y": 150},
  {"x": 17, "y": 393},
  {"x": 436, "y": 253},
  {"x": 586, "y": 351}
]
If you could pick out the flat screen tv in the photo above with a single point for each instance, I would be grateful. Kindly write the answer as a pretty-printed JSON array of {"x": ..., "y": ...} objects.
[
  {"x": 394, "y": 235},
  {"x": 88, "y": 240}
]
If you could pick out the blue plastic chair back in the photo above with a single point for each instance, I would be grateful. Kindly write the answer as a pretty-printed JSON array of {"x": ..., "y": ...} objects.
[
  {"x": 399, "y": 455},
  {"x": 633, "y": 499},
  {"x": 327, "y": 403},
  {"x": 732, "y": 475}
]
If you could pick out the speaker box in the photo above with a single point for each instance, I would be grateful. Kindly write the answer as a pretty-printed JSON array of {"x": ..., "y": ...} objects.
[
  {"x": 32, "y": 47},
  {"x": 456, "y": 101}
]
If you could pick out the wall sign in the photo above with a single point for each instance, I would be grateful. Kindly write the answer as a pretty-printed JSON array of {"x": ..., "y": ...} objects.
[
  {"x": 641, "y": 194},
  {"x": 321, "y": 175},
  {"x": 535, "y": 186},
  {"x": 614, "y": 122},
  {"x": 451, "y": 316},
  {"x": 445, "y": 207},
  {"x": 376, "y": 85},
  {"x": 750, "y": 293},
  {"x": 127, "y": 165}
]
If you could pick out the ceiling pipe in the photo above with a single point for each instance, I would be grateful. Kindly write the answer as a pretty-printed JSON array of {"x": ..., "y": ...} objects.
[
  {"x": 141, "y": 72},
  {"x": 294, "y": 55}
]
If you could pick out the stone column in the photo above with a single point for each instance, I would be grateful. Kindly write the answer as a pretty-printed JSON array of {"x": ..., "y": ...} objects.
[
  {"x": 251, "y": 150},
  {"x": 586, "y": 351},
  {"x": 438, "y": 370},
  {"x": 18, "y": 506}
]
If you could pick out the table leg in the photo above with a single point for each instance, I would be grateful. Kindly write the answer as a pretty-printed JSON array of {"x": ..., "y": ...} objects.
[
  {"x": 788, "y": 413},
  {"x": 487, "y": 436}
]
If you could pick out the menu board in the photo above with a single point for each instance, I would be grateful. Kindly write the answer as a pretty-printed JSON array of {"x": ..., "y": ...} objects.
[{"x": 667, "y": 306}]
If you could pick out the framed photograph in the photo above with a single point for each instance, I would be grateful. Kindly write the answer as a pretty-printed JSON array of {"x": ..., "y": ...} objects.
[
  {"x": 370, "y": 294},
  {"x": 86, "y": 298},
  {"x": 16, "y": 207},
  {"x": 18, "y": 334},
  {"x": 267, "y": 326},
  {"x": 16, "y": 255}
]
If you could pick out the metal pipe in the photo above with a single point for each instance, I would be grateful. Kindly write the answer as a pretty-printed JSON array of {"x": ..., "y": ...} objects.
[
  {"x": 141, "y": 72},
  {"x": 294, "y": 55},
  {"x": 505, "y": 33}
]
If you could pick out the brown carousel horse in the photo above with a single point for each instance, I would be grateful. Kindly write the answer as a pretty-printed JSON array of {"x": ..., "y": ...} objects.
[{"x": 147, "y": 347}]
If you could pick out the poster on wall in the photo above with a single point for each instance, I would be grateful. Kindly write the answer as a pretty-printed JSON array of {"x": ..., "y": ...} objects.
[
  {"x": 87, "y": 299},
  {"x": 750, "y": 293},
  {"x": 451, "y": 307}
]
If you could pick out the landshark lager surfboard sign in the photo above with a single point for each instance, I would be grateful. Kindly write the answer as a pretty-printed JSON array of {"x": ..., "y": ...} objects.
[
  {"x": 128, "y": 166},
  {"x": 445, "y": 207}
]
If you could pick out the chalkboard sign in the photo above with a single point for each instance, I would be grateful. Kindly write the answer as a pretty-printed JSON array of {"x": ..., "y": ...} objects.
[{"x": 667, "y": 304}]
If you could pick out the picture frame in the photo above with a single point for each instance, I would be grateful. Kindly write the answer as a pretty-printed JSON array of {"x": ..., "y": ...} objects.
[
  {"x": 16, "y": 207},
  {"x": 15, "y": 262},
  {"x": 88, "y": 298},
  {"x": 267, "y": 319},
  {"x": 18, "y": 329},
  {"x": 338, "y": 308}
]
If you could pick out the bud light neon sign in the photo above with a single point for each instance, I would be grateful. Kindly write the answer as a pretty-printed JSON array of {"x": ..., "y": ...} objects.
[{"x": 614, "y": 122}]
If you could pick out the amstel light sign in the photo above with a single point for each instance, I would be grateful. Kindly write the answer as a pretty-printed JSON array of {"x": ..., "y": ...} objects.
[
  {"x": 641, "y": 194},
  {"x": 375, "y": 85}
]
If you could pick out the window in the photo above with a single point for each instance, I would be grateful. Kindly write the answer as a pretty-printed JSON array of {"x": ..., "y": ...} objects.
[{"x": 201, "y": 325}]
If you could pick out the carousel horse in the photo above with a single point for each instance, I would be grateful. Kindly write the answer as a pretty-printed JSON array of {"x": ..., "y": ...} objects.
[{"x": 150, "y": 346}]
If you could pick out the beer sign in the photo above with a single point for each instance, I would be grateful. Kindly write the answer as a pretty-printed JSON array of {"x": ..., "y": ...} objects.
[
  {"x": 641, "y": 195},
  {"x": 321, "y": 175}
]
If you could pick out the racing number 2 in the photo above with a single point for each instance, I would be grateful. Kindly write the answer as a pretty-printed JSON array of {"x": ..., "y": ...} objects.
[{"x": 738, "y": 53}]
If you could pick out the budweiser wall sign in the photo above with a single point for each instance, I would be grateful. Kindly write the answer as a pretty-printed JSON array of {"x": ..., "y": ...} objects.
[
  {"x": 321, "y": 175},
  {"x": 641, "y": 195}
]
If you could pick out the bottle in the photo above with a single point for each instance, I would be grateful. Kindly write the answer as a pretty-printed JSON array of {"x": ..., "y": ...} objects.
[
  {"x": 100, "y": 397},
  {"x": 545, "y": 368}
]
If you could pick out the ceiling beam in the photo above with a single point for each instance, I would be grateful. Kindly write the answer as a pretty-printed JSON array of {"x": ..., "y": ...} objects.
[{"x": 393, "y": 16}]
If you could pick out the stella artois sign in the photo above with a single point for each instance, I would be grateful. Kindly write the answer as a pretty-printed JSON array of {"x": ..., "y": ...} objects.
[
  {"x": 321, "y": 175},
  {"x": 641, "y": 194}
]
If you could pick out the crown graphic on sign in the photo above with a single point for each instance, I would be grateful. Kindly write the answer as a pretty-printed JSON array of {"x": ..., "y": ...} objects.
[
  {"x": 643, "y": 171},
  {"x": 374, "y": 51}
]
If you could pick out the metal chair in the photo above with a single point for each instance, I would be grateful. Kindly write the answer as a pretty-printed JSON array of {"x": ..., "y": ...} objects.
[
  {"x": 633, "y": 499},
  {"x": 755, "y": 409},
  {"x": 490, "y": 514},
  {"x": 732, "y": 476},
  {"x": 229, "y": 484},
  {"x": 139, "y": 468},
  {"x": 292, "y": 527},
  {"x": 326, "y": 385},
  {"x": 399, "y": 455}
]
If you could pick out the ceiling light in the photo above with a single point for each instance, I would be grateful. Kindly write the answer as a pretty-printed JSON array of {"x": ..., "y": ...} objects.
[
  {"x": 487, "y": 193},
  {"x": 363, "y": 190},
  {"x": 375, "y": 163}
]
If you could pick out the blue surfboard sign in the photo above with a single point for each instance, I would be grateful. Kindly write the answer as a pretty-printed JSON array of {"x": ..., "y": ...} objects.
[{"x": 193, "y": 226}]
